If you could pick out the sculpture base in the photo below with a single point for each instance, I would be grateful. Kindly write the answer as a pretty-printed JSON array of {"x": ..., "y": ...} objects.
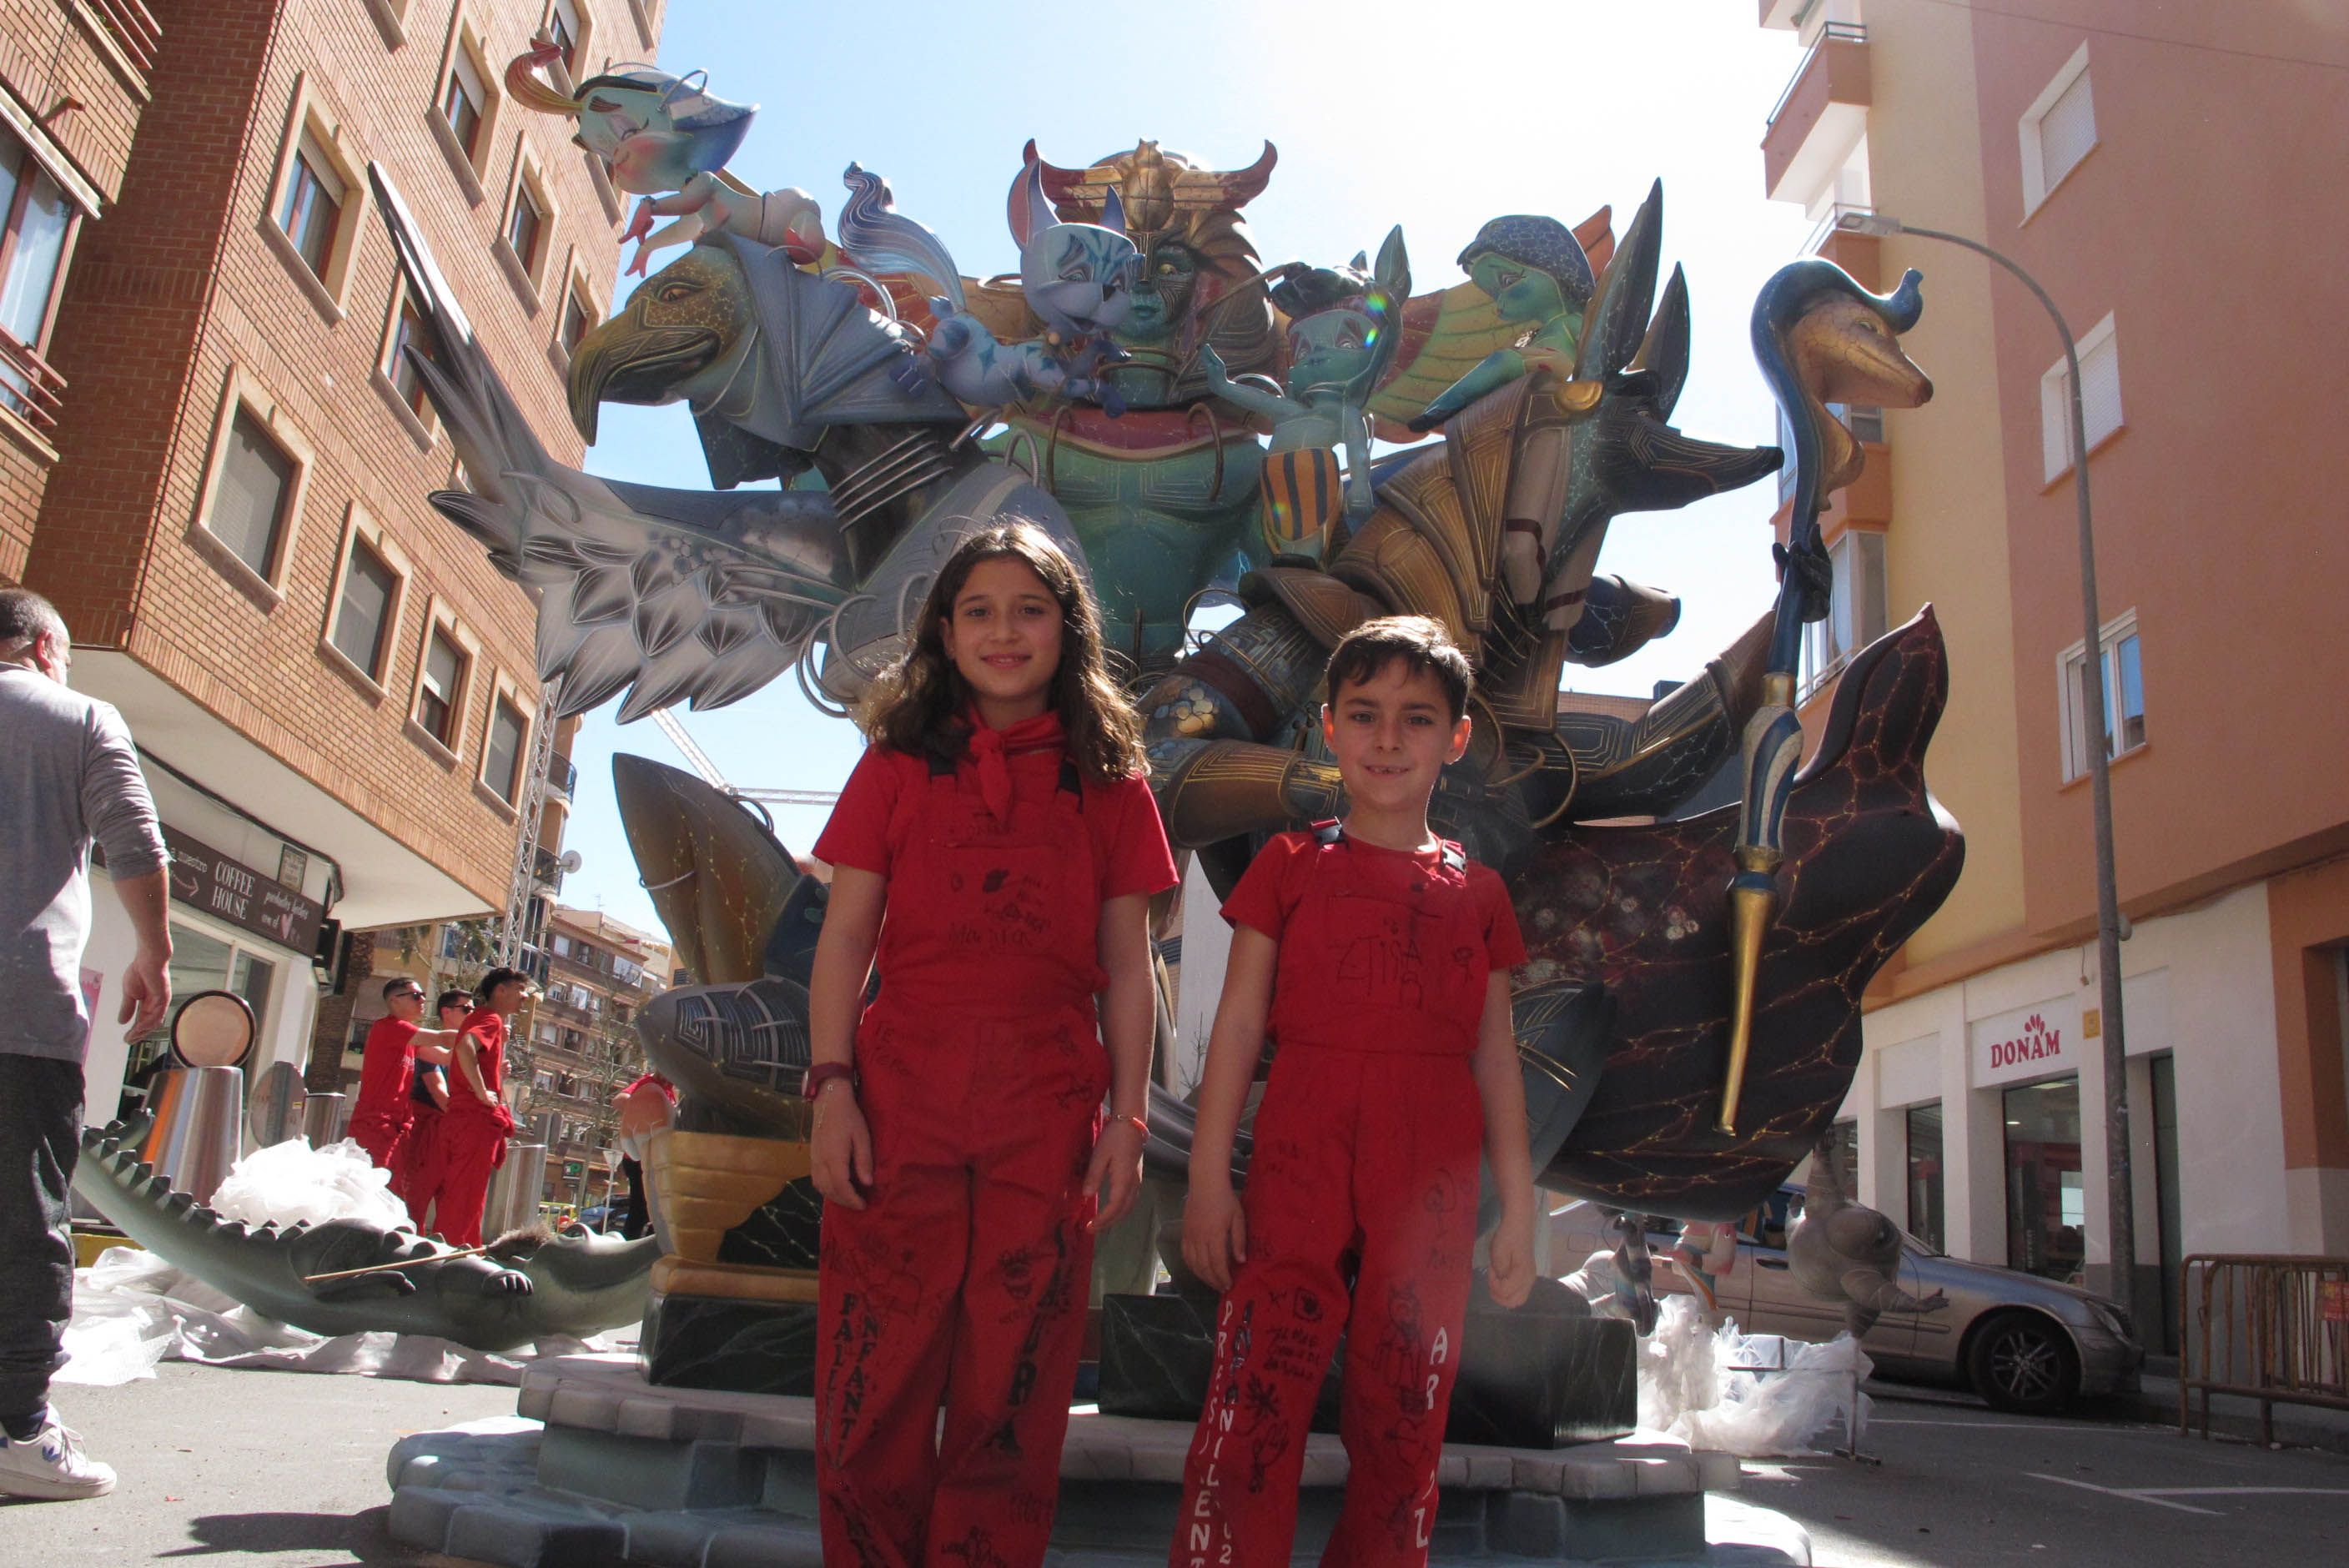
[
  {"x": 1528, "y": 1378},
  {"x": 726, "y": 1342},
  {"x": 601, "y": 1468}
]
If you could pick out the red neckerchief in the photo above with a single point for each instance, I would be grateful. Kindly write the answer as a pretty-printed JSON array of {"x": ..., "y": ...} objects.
[{"x": 990, "y": 750}]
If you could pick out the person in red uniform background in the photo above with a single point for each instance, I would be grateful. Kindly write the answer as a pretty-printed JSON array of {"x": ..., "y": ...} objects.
[
  {"x": 416, "y": 1174},
  {"x": 394, "y": 1046},
  {"x": 473, "y": 1128},
  {"x": 1002, "y": 819},
  {"x": 1379, "y": 954}
]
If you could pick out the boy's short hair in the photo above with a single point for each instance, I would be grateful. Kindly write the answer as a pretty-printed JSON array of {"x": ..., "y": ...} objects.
[
  {"x": 454, "y": 999},
  {"x": 497, "y": 977},
  {"x": 1421, "y": 645}
]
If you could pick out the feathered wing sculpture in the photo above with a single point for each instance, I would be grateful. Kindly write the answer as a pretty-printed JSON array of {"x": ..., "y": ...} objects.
[{"x": 670, "y": 596}]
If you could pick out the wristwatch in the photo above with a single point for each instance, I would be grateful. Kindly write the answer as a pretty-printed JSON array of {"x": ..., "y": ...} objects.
[{"x": 822, "y": 1073}]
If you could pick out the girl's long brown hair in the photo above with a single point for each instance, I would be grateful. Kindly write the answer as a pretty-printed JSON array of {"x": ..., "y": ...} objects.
[{"x": 918, "y": 706}]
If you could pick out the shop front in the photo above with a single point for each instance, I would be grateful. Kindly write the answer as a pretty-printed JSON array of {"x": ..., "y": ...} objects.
[
  {"x": 247, "y": 911},
  {"x": 2029, "y": 1058}
]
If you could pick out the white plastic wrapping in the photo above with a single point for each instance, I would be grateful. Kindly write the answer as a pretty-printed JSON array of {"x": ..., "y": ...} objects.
[
  {"x": 1749, "y": 1395},
  {"x": 292, "y": 1183}
]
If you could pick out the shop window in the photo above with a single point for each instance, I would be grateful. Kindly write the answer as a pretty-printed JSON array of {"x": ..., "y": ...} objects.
[
  {"x": 2057, "y": 130},
  {"x": 501, "y": 752},
  {"x": 363, "y": 618},
  {"x": 2046, "y": 1205},
  {"x": 441, "y": 689},
  {"x": 464, "y": 103},
  {"x": 310, "y": 209},
  {"x": 2100, "y": 398},
  {"x": 2123, "y": 730},
  {"x": 1928, "y": 1215},
  {"x": 1855, "y": 610},
  {"x": 249, "y": 502}
]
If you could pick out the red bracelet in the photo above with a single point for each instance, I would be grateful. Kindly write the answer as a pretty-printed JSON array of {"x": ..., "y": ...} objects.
[
  {"x": 822, "y": 1073},
  {"x": 1137, "y": 1124}
]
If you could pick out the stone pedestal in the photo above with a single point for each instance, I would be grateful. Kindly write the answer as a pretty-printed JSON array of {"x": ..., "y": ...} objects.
[
  {"x": 1528, "y": 1378},
  {"x": 603, "y": 1470}
]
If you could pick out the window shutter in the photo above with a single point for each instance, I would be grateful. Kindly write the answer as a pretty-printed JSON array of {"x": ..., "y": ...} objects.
[
  {"x": 2100, "y": 388},
  {"x": 2066, "y": 131},
  {"x": 2055, "y": 420}
]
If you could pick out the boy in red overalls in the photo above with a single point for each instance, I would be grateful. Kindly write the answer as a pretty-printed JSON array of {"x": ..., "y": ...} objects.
[
  {"x": 1378, "y": 957},
  {"x": 473, "y": 1128},
  {"x": 379, "y": 1122},
  {"x": 416, "y": 1172}
]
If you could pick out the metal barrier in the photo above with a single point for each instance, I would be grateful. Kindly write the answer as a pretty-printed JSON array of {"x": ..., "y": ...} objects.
[{"x": 2270, "y": 1328}]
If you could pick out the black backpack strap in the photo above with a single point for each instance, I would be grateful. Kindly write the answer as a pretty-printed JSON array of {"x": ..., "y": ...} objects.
[
  {"x": 941, "y": 766},
  {"x": 1329, "y": 833},
  {"x": 1073, "y": 781}
]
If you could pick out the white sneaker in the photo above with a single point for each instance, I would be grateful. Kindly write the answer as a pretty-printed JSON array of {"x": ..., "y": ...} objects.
[{"x": 51, "y": 1464}]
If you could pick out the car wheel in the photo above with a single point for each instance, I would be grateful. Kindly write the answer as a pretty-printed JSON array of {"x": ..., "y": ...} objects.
[{"x": 2023, "y": 1363}]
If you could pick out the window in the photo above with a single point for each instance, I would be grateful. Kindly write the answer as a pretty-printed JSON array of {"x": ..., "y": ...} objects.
[
  {"x": 2047, "y": 1197},
  {"x": 441, "y": 689},
  {"x": 464, "y": 101},
  {"x": 525, "y": 226},
  {"x": 1926, "y": 1211},
  {"x": 2100, "y": 398},
  {"x": 578, "y": 320},
  {"x": 409, "y": 331},
  {"x": 1856, "y": 609},
  {"x": 2057, "y": 131},
  {"x": 311, "y": 209},
  {"x": 364, "y": 614},
  {"x": 37, "y": 220},
  {"x": 562, "y": 28},
  {"x": 502, "y": 753},
  {"x": 256, "y": 478},
  {"x": 562, "y": 945},
  {"x": 2124, "y": 717}
]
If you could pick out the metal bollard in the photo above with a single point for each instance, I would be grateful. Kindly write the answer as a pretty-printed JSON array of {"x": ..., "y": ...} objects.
[
  {"x": 198, "y": 1122},
  {"x": 513, "y": 1202},
  {"x": 324, "y": 1117}
]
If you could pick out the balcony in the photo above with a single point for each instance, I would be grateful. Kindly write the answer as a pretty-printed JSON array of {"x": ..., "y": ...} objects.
[
  {"x": 1820, "y": 116},
  {"x": 562, "y": 777},
  {"x": 546, "y": 868},
  {"x": 29, "y": 387}
]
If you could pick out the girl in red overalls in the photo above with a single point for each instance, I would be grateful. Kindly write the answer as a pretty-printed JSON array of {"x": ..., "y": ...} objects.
[{"x": 1002, "y": 824}]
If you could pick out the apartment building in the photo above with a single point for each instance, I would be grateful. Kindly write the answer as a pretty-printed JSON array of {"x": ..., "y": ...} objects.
[
  {"x": 2169, "y": 176},
  {"x": 333, "y": 690},
  {"x": 582, "y": 1043}
]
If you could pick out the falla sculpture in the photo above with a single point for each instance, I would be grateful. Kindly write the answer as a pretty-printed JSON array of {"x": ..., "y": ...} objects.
[{"x": 1686, "y": 1038}]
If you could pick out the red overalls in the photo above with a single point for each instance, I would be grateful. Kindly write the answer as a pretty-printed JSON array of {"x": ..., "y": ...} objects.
[
  {"x": 416, "y": 1167},
  {"x": 1366, "y": 1150},
  {"x": 473, "y": 1135},
  {"x": 981, "y": 1075},
  {"x": 379, "y": 1121}
]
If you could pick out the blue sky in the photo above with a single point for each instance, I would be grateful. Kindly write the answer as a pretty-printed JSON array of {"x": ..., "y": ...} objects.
[{"x": 1434, "y": 117}]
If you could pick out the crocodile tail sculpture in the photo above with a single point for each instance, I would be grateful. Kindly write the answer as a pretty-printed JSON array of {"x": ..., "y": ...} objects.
[
  {"x": 1820, "y": 338},
  {"x": 563, "y": 1285}
]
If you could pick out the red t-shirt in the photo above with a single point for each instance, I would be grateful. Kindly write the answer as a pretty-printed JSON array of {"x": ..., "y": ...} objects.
[
  {"x": 489, "y": 1032},
  {"x": 1316, "y": 997},
  {"x": 385, "y": 1069},
  {"x": 878, "y": 818}
]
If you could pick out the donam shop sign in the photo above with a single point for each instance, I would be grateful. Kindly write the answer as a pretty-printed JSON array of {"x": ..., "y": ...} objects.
[{"x": 2033, "y": 1042}]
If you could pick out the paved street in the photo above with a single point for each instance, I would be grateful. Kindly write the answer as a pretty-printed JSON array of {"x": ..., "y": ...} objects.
[
  {"x": 1960, "y": 1485},
  {"x": 280, "y": 1469}
]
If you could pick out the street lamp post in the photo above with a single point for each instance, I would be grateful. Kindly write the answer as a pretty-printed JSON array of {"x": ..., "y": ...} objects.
[{"x": 2121, "y": 1207}]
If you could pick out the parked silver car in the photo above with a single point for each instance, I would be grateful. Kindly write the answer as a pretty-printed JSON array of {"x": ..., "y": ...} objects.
[{"x": 2021, "y": 1341}]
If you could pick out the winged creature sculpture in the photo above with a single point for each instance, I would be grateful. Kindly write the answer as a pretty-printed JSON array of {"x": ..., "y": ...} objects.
[{"x": 674, "y": 595}]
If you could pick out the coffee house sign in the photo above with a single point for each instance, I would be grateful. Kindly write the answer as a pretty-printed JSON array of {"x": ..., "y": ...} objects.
[
  {"x": 230, "y": 891},
  {"x": 2035, "y": 1042}
]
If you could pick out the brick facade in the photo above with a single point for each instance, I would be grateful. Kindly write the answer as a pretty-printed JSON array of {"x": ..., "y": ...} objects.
[{"x": 187, "y": 296}]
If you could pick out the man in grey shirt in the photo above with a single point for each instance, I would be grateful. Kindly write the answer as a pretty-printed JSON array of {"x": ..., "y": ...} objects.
[{"x": 68, "y": 775}]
